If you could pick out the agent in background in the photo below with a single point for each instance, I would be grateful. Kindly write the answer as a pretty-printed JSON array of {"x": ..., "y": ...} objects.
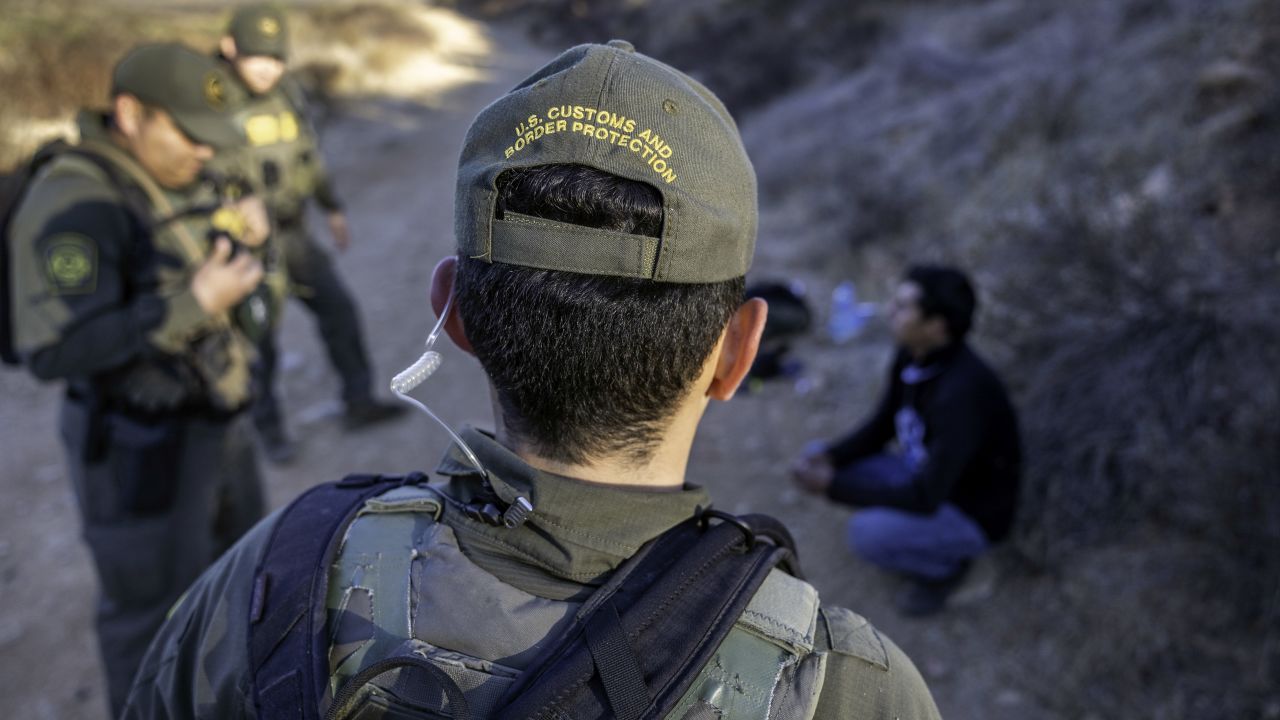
[
  {"x": 282, "y": 162},
  {"x": 934, "y": 471},
  {"x": 125, "y": 286}
]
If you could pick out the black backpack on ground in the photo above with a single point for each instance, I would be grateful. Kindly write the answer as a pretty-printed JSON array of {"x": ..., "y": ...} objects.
[
  {"x": 789, "y": 319},
  {"x": 622, "y": 657}
]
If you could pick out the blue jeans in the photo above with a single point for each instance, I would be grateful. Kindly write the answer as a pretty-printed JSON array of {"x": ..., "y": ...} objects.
[{"x": 932, "y": 546}]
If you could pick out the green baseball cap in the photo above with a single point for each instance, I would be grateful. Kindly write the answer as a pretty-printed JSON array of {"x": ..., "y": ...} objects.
[
  {"x": 613, "y": 109},
  {"x": 260, "y": 30},
  {"x": 193, "y": 88}
]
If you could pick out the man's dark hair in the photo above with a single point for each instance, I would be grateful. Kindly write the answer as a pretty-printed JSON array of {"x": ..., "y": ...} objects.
[
  {"x": 945, "y": 292},
  {"x": 584, "y": 365}
]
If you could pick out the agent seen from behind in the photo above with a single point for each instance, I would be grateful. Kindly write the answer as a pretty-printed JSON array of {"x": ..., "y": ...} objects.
[{"x": 565, "y": 566}]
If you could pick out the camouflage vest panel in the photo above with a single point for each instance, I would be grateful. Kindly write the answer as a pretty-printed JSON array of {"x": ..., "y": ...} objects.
[
  {"x": 214, "y": 363},
  {"x": 282, "y": 160},
  {"x": 400, "y": 574}
]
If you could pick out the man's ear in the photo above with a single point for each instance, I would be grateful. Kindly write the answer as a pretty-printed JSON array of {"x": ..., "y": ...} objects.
[
  {"x": 738, "y": 351},
  {"x": 127, "y": 112},
  {"x": 228, "y": 47},
  {"x": 441, "y": 288}
]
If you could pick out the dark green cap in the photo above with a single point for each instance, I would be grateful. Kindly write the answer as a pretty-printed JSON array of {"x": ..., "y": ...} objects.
[
  {"x": 613, "y": 109},
  {"x": 194, "y": 89},
  {"x": 260, "y": 30}
]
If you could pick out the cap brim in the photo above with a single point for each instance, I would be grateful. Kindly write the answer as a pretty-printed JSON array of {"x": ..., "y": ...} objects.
[{"x": 218, "y": 132}]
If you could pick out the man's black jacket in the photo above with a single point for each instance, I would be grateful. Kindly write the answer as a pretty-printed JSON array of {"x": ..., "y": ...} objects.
[{"x": 971, "y": 436}]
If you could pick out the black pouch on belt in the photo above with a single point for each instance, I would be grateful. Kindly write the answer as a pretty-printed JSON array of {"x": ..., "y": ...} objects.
[
  {"x": 88, "y": 431},
  {"x": 147, "y": 457}
]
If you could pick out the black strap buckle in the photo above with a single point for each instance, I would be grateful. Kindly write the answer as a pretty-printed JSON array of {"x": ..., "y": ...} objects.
[
  {"x": 359, "y": 481},
  {"x": 704, "y": 521}
]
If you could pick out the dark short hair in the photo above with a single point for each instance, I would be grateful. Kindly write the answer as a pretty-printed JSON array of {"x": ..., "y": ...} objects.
[
  {"x": 945, "y": 292},
  {"x": 586, "y": 365}
]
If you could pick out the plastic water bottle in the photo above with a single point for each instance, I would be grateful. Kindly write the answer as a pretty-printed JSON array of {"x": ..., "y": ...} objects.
[{"x": 847, "y": 317}]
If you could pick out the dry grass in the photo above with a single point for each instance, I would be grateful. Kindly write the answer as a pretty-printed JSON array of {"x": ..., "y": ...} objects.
[
  {"x": 56, "y": 56},
  {"x": 389, "y": 49}
]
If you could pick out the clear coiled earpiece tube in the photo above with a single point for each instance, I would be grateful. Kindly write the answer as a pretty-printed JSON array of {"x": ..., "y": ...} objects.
[{"x": 414, "y": 375}]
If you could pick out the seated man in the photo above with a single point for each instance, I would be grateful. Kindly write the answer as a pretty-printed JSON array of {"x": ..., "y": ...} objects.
[{"x": 934, "y": 470}]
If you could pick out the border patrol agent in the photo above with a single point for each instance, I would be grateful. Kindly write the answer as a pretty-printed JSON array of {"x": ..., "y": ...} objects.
[
  {"x": 282, "y": 161},
  {"x": 606, "y": 181},
  {"x": 126, "y": 288}
]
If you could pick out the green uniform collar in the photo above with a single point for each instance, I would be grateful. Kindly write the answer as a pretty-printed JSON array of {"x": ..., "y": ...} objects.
[
  {"x": 93, "y": 126},
  {"x": 95, "y": 131},
  {"x": 578, "y": 530}
]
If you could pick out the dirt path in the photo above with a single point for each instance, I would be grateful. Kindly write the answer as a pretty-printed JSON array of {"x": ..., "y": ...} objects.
[{"x": 394, "y": 164}]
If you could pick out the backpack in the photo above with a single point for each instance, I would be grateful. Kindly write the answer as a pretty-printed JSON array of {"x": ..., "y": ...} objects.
[
  {"x": 789, "y": 319},
  {"x": 13, "y": 189},
  {"x": 624, "y": 654}
]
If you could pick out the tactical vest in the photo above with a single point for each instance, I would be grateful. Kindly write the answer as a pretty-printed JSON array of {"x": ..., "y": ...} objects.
[
  {"x": 171, "y": 239},
  {"x": 282, "y": 159},
  {"x": 400, "y": 574}
]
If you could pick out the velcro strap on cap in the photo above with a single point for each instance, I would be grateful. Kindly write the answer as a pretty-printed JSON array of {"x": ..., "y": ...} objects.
[{"x": 535, "y": 242}]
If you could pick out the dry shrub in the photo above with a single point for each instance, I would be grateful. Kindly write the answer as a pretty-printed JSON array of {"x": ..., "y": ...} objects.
[
  {"x": 57, "y": 56},
  {"x": 762, "y": 49},
  {"x": 53, "y": 59},
  {"x": 1138, "y": 293},
  {"x": 393, "y": 48},
  {"x": 1145, "y": 364},
  {"x": 1147, "y": 628}
]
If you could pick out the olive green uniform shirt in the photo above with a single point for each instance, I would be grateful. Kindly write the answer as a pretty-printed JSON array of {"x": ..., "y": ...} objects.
[
  {"x": 578, "y": 534},
  {"x": 99, "y": 293}
]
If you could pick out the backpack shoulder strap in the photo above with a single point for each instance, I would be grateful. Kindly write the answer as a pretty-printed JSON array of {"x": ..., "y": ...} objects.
[
  {"x": 13, "y": 190},
  {"x": 288, "y": 656},
  {"x": 638, "y": 644}
]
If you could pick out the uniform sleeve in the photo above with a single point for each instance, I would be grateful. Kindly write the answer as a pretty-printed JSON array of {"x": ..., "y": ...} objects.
[
  {"x": 197, "y": 665},
  {"x": 868, "y": 676},
  {"x": 876, "y": 431},
  {"x": 73, "y": 315}
]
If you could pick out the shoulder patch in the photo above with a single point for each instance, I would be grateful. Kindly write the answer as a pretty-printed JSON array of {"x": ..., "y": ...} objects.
[
  {"x": 851, "y": 634},
  {"x": 71, "y": 264}
]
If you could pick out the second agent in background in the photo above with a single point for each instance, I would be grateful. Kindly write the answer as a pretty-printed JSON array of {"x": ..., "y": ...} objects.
[
  {"x": 282, "y": 162},
  {"x": 934, "y": 470}
]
